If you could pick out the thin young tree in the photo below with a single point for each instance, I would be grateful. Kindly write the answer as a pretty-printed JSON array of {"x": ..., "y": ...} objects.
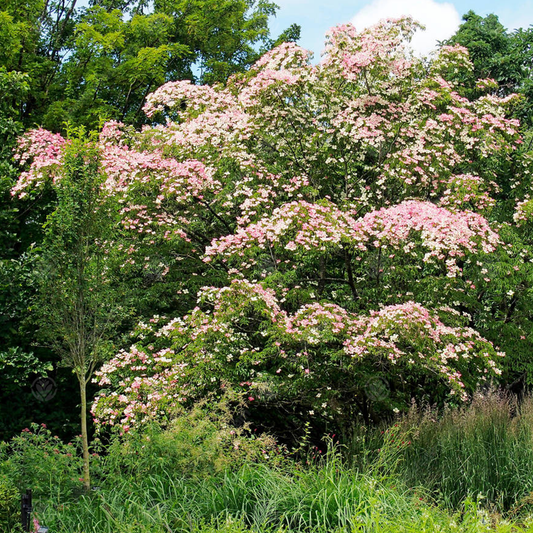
[{"x": 78, "y": 303}]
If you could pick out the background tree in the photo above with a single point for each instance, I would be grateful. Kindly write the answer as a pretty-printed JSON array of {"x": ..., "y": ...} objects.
[
  {"x": 102, "y": 60},
  {"x": 224, "y": 37},
  {"x": 504, "y": 56}
]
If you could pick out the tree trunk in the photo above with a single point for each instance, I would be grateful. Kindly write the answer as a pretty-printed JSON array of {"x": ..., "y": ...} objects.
[{"x": 84, "y": 434}]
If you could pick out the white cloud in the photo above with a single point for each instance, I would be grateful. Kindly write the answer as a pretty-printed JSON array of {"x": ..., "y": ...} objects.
[{"x": 440, "y": 19}]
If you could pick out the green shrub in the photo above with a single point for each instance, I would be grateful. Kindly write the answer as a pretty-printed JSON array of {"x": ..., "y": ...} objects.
[
  {"x": 38, "y": 460},
  {"x": 201, "y": 443},
  {"x": 9, "y": 507}
]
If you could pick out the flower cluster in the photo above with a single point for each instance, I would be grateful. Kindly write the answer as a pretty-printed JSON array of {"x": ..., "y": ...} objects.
[
  {"x": 175, "y": 93},
  {"x": 43, "y": 151},
  {"x": 149, "y": 384},
  {"x": 410, "y": 333},
  {"x": 299, "y": 226},
  {"x": 445, "y": 235},
  {"x": 295, "y": 225},
  {"x": 218, "y": 345}
]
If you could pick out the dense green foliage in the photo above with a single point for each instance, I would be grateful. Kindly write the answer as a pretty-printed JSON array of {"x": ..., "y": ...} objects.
[
  {"x": 501, "y": 55},
  {"x": 83, "y": 64},
  {"x": 9, "y": 506}
]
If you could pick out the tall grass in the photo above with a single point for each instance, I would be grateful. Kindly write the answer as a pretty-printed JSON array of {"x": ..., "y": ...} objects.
[
  {"x": 325, "y": 497},
  {"x": 483, "y": 452}
]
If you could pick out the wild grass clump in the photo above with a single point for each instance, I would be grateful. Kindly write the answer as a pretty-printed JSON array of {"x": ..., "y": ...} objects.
[
  {"x": 483, "y": 452},
  {"x": 205, "y": 473}
]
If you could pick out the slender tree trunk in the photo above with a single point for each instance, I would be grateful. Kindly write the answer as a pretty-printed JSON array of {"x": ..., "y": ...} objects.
[
  {"x": 322, "y": 281},
  {"x": 349, "y": 271},
  {"x": 84, "y": 434}
]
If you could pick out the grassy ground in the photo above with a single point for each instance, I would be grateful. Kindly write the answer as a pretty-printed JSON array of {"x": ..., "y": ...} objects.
[
  {"x": 325, "y": 498},
  {"x": 468, "y": 470}
]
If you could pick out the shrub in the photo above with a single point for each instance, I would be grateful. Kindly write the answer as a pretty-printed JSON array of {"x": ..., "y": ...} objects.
[
  {"x": 38, "y": 460},
  {"x": 202, "y": 442},
  {"x": 9, "y": 507}
]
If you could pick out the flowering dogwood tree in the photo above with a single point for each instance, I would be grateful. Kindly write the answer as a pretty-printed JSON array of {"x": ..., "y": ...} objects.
[{"x": 341, "y": 212}]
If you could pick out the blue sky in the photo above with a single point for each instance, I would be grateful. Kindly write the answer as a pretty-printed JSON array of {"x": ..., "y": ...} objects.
[{"x": 441, "y": 17}]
